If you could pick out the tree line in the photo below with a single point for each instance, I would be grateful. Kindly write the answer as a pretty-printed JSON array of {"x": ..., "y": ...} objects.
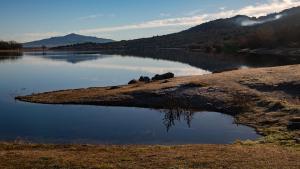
[{"x": 10, "y": 45}]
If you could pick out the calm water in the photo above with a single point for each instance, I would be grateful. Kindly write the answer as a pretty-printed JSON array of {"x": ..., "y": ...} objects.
[{"x": 33, "y": 72}]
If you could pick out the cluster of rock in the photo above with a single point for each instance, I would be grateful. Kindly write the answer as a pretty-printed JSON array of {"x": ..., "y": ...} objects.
[{"x": 146, "y": 79}]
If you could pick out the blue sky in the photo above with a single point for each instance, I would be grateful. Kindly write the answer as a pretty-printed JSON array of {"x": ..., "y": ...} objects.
[{"x": 120, "y": 19}]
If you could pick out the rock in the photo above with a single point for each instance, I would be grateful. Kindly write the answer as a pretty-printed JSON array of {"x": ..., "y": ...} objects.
[
  {"x": 133, "y": 81},
  {"x": 144, "y": 79},
  {"x": 163, "y": 76}
]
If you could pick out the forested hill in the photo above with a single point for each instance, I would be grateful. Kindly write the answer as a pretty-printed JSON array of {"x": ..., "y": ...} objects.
[{"x": 222, "y": 35}]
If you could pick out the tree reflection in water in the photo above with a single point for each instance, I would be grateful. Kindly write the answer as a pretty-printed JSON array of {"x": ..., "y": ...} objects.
[
  {"x": 175, "y": 110},
  {"x": 10, "y": 56},
  {"x": 171, "y": 116}
]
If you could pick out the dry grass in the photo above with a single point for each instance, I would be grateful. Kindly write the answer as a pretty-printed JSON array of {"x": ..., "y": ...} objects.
[{"x": 20, "y": 156}]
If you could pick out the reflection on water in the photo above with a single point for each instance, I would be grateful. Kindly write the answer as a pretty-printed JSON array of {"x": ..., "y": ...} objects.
[
  {"x": 173, "y": 115},
  {"x": 70, "y": 57},
  {"x": 176, "y": 109},
  {"x": 10, "y": 56},
  {"x": 204, "y": 61},
  {"x": 115, "y": 62},
  {"x": 33, "y": 73},
  {"x": 212, "y": 62}
]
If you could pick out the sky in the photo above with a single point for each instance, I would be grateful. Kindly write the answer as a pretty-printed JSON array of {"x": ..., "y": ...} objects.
[{"x": 27, "y": 20}]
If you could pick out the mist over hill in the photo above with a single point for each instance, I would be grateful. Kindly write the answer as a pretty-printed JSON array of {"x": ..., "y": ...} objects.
[{"x": 66, "y": 40}]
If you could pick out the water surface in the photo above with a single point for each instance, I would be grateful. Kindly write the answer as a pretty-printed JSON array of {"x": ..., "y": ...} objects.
[{"x": 34, "y": 72}]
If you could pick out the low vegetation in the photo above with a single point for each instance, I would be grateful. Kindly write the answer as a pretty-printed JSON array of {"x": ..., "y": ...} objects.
[{"x": 245, "y": 156}]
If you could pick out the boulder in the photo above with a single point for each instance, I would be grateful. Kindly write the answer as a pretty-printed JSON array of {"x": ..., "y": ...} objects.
[
  {"x": 164, "y": 76},
  {"x": 133, "y": 81},
  {"x": 144, "y": 79}
]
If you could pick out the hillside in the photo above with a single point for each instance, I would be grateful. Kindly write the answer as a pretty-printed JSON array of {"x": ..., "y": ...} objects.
[
  {"x": 277, "y": 30},
  {"x": 66, "y": 40}
]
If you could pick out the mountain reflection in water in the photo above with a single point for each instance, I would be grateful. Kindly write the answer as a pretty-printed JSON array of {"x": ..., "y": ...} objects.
[
  {"x": 205, "y": 61},
  {"x": 213, "y": 62}
]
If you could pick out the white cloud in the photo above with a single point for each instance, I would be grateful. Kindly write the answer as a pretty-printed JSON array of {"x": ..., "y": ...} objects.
[
  {"x": 194, "y": 12},
  {"x": 90, "y": 17},
  {"x": 273, "y": 6},
  {"x": 94, "y": 16},
  {"x": 222, "y": 8},
  {"x": 164, "y": 15},
  {"x": 146, "y": 25}
]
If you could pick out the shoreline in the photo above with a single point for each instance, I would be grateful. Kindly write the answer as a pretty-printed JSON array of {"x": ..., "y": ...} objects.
[{"x": 263, "y": 98}]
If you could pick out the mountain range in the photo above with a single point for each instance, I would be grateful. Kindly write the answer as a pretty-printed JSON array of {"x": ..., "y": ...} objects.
[
  {"x": 70, "y": 39},
  {"x": 277, "y": 30}
]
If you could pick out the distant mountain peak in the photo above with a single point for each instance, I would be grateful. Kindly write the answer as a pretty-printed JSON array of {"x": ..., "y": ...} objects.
[
  {"x": 74, "y": 35},
  {"x": 69, "y": 39}
]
